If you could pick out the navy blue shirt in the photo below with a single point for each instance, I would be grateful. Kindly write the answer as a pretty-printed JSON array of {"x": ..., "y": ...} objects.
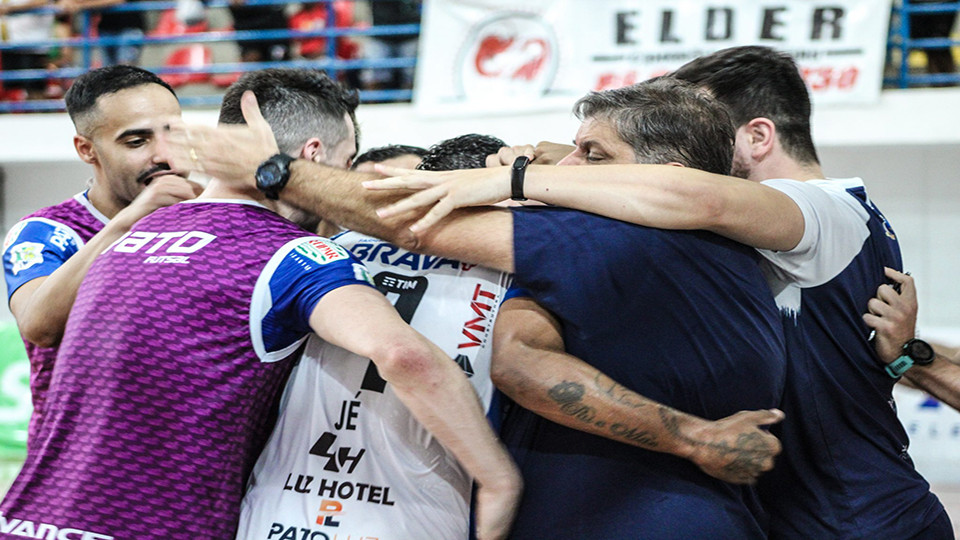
[
  {"x": 681, "y": 317},
  {"x": 844, "y": 471}
]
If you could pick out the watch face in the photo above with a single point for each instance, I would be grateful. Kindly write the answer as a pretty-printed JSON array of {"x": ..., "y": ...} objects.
[
  {"x": 920, "y": 351},
  {"x": 268, "y": 175}
]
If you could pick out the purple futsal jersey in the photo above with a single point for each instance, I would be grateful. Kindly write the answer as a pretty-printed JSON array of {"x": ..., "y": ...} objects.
[
  {"x": 35, "y": 247},
  {"x": 166, "y": 383}
]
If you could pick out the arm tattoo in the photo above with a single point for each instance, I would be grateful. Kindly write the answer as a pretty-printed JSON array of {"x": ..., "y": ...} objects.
[
  {"x": 618, "y": 392},
  {"x": 569, "y": 396},
  {"x": 746, "y": 455}
]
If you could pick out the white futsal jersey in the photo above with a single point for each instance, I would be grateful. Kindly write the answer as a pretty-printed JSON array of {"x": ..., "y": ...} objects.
[{"x": 347, "y": 459}]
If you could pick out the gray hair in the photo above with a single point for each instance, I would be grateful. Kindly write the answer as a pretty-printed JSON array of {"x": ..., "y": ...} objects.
[{"x": 666, "y": 120}]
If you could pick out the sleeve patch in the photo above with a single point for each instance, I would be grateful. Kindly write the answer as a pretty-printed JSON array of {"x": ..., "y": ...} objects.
[
  {"x": 321, "y": 252},
  {"x": 361, "y": 273},
  {"x": 13, "y": 234},
  {"x": 24, "y": 255}
]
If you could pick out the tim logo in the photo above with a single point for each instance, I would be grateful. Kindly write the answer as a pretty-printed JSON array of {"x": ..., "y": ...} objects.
[
  {"x": 513, "y": 54},
  {"x": 328, "y": 511}
]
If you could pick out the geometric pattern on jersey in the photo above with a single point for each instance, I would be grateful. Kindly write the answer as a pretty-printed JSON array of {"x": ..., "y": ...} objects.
[
  {"x": 159, "y": 403},
  {"x": 61, "y": 229},
  {"x": 844, "y": 471},
  {"x": 346, "y": 457},
  {"x": 681, "y": 317}
]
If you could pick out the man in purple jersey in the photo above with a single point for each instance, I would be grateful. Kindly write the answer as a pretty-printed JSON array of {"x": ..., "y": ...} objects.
[
  {"x": 179, "y": 343},
  {"x": 116, "y": 112}
]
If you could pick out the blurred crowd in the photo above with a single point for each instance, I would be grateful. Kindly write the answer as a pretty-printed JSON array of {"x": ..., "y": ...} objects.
[{"x": 21, "y": 22}]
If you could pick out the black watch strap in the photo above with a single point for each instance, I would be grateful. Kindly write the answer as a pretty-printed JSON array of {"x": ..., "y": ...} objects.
[
  {"x": 273, "y": 174},
  {"x": 916, "y": 352},
  {"x": 517, "y": 173}
]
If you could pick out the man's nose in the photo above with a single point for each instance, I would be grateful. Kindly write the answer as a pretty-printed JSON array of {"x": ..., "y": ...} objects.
[{"x": 571, "y": 159}]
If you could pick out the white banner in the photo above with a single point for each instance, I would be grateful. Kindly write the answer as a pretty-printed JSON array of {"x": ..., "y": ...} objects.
[{"x": 496, "y": 56}]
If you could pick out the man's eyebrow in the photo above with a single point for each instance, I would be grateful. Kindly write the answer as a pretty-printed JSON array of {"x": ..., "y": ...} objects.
[
  {"x": 145, "y": 132},
  {"x": 582, "y": 144}
]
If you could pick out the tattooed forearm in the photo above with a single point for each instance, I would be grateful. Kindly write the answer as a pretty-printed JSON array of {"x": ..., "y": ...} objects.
[
  {"x": 569, "y": 396},
  {"x": 670, "y": 421},
  {"x": 746, "y": 456},
  {"x": 566, "y": 392},
  {"x": 643, "y": 438},
  {"x": 618, "y": 392},
  {"x": 579, "y": 411}
]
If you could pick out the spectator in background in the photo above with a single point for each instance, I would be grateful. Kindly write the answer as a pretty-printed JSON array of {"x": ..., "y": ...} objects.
[
  {"x": 113, "y": 24},
  {"x": 315, "y": 17},
  {"x": 122, "y": 24},
  {"x": 310, "y": 17},
  {"x": 935, "y": 25},
  {"x": 392, "y": 46},
  {"x": 260, "y": 17},
  {"x": 19, "y": 27},
  {"x": 59, "y": 57}
]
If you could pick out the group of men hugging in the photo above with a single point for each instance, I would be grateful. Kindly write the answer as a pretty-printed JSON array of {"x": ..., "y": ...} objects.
[{"x": 470, "y": 340}]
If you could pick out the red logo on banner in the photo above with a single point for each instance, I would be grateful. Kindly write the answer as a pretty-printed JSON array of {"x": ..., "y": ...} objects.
[
  {"x": 508, "y": 55},
  {"x": 500, "y": 57}
]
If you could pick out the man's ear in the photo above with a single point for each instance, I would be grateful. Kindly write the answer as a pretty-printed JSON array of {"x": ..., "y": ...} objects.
[
  {"x": 761, "y": 135},
  {"x": 674, "y": 164},
  {"x": 313, "y": 150},
  {"x": 85, "y": 149}
]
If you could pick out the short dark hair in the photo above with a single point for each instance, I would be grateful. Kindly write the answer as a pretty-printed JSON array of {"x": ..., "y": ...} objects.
[
  {"x": 463, "y": 152},
  {"x": 666, "y": 120},
  {"x": 297, "y": 103},
  {"x": 81, "y": 98},
  {"x": 759, "y": 82},
  {"x": 390, "y": 151}
]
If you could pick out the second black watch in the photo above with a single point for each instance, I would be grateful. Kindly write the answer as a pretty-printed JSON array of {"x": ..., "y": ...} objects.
[
  {"x": 273, "y": 174},
  {"x": 516, "y": 177}
]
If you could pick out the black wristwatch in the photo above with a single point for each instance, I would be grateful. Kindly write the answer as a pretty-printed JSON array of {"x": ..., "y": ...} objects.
[
  {"x": 272, "y": 175},
  {"x": 915, "y": 352},
  {"x": 517, "y": 173}
]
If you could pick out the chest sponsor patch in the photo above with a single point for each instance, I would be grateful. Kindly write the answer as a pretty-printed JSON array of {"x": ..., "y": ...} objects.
[{"x": 24, "y": 255}]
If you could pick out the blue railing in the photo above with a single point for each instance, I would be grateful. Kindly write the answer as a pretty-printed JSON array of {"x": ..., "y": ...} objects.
[
  {"x": 86, "y": 44},
  {"x": 900, "y": 41}
]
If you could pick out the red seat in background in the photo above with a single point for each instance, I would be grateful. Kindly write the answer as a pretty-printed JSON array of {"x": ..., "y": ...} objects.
[
  {"x": 195, "y": 56},
  {"x": 169, "y": 25}
]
